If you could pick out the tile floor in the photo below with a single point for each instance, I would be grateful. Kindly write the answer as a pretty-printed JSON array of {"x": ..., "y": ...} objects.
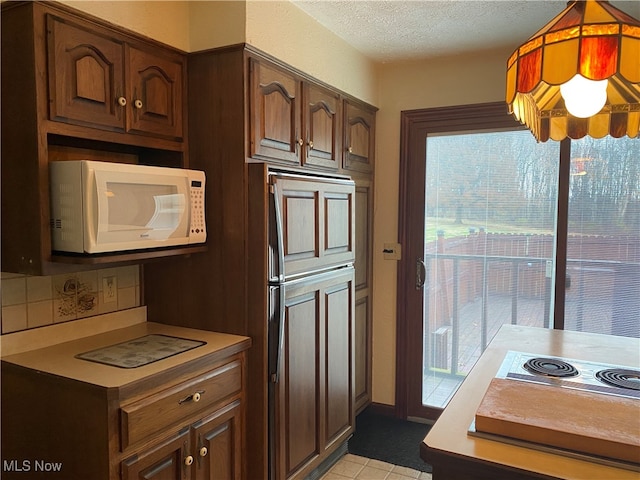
[{"x": 361, "y": 468}]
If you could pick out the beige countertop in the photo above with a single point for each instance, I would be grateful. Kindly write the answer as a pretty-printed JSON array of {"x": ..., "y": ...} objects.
[
  {"x": 448, "y": 439},
  {"x": 59, "y": 358}
]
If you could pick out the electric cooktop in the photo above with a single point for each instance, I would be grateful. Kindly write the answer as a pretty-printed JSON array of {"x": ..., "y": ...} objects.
[{"x": 603, "y": 378}]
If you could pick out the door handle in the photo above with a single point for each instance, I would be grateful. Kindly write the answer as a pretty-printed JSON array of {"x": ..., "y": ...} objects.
[{"x": 421, "y": 270}]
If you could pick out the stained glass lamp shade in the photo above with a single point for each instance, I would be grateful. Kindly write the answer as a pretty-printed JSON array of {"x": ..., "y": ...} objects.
[{"x": 589, "y": 41}]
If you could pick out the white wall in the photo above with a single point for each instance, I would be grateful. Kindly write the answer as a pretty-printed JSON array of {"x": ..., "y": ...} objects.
[{"x": 166, "y": 21}]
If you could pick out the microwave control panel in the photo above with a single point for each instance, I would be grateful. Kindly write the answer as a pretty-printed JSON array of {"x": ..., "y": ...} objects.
[{"x": 197, "y": 233}]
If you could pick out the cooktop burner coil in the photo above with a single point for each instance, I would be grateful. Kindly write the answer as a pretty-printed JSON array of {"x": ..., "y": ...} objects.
[
  {"x": 620, "y": 377},
  {"x": 551, "y": 367}
]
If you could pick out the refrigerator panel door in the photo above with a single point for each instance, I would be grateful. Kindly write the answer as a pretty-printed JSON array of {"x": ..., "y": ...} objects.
[
  {"x": 313, "y": 401},
  {"x": 315, "y": 222}
]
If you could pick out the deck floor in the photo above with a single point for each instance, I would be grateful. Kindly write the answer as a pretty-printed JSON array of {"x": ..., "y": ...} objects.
[{"x": 438, "y": 388}]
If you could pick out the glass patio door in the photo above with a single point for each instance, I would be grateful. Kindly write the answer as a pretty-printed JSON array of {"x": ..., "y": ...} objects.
[
  {"x": 489, "y": 247},
  {"x": 497, "y": 229}
]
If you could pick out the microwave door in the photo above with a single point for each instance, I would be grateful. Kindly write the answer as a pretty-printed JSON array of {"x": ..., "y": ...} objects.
[
  {"x": 132, "y": 213},
  {"x": 169, "y": 210}
]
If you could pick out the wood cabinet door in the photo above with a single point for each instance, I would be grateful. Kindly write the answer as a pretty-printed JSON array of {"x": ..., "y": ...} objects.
[
  {"x": 274, "y": 104},
  {"x": 86, "y": 76},
  {"x": 217, "y": 441},
  {"x": 338, "y": 375},
  {"x": 165, "y": 461},
  {"x": 364, "y": 290},
  {"x": 314, "y": 394},
  {"x": 317, "y": 223},
  {"x": 359, "y": 137},
  {"x": 321, "y": 127},
  {"x": 155, "y": 93}
]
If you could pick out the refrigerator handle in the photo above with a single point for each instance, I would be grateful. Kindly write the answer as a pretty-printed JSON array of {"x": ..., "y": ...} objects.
[
  {"x": 280, "y": 347},
  {"x": 278, "y": 227}
]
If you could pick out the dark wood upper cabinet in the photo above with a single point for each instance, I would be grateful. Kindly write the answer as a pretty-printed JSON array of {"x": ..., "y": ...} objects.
[
  {"x": 293, "y": 120},
  {"x": 98, "y": 80},
  {"x": 156, "y": 93},
  {"x": 322, "y": 127},
  {"x": 77, "y": 87},
  {"x": 359, "y": 136},
  {"x": 86, "y": 76},
  {"x": 275, "y": 114}
]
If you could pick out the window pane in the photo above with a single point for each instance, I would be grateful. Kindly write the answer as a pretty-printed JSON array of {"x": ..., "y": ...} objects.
[
  {"x": 603, "y": 258},
  {"x": 489, "y": 246}
]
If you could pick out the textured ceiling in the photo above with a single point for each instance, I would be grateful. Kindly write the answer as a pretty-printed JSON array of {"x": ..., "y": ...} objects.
[{"x": 391, "y": 30}]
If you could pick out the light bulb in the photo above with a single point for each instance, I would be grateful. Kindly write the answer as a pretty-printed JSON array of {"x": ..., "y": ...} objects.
[{"x": 582, "y": 97}]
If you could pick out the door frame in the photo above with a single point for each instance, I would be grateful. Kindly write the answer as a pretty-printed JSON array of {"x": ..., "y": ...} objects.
[{"x": 415, "y": 125}]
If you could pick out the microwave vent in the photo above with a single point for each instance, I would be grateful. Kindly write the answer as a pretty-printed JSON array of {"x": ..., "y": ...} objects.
[{"x": 55, "y": 223}]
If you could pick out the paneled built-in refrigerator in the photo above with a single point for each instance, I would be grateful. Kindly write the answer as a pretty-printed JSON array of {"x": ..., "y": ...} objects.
[{"x": 309, "y": 284}]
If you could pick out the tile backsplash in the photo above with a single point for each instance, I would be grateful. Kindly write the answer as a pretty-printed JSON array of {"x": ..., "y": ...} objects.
[{"x": 30, "y": 302}]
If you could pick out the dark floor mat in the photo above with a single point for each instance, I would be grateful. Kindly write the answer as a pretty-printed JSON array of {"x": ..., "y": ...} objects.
[{"x": 389, "y": 439}]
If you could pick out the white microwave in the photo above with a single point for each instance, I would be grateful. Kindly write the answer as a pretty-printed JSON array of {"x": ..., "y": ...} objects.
[{"x": 99, "y": 207}]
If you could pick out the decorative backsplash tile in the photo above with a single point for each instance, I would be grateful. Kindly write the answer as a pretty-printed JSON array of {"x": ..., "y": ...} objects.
[{"x": 30, "y": 302}]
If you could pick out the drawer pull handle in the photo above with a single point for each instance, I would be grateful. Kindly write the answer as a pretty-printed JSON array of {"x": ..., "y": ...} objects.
[
  {"x": 192, "y": 398},
  {"x": 203, "y": 452},
  {"x": 188, "y": 460}
]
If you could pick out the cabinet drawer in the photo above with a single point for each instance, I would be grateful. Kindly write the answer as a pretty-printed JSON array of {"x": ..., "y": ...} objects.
[{"x": 161, "y": 410}]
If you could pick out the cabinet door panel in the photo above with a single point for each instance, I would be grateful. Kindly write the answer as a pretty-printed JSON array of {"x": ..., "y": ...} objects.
[
  {"x": 362, "y": 362},
  {"x": 317, "y": 223},
  {"x": 322, "y": 124},
  {"x": 359, "y": 137},
  {"x": 220, "y": 436},
  {"x": 364, "y": 216},
  {"x": 86, "y": 76},
  {"x": 314, "y": 395},
  {"x": 274, "y": 114},
  {"x": 156, "y": 94},
  {"x": 165, "y": 461},
  {"x": 338, "y": 379},
  {"x": 301, "y": 381}
]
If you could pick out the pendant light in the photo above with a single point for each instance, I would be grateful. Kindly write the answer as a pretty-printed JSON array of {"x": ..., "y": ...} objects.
[{"x": 579, "y": 75}]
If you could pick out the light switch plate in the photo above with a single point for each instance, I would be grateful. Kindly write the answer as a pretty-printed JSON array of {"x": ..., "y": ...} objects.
[{"x": 392, "y": 251}]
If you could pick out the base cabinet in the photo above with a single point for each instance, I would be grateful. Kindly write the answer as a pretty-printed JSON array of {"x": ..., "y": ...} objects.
[
  {"x": 218, "y": 444},
  {"x": 191, "y": 429},
  {"x": 209, "y": 449},
  {"x": 167, "y": 460}
]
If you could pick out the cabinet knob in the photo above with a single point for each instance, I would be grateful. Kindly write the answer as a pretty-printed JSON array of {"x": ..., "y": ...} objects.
[
  {"x": 188, "y": 460},
  {"x": 192, "y": 398},
  {"x": 122, "y": 101},
  {"x": 203, "y": 452},
  {"x": 300, "y": 142},
  {"x": 350, "y": 149},
  {"x": 137, "y": 103},
  {"x": 310, "y": 143}
]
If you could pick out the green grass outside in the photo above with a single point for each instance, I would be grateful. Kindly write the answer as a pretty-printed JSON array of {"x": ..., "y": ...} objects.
[{"x": 452, "y": 230}]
